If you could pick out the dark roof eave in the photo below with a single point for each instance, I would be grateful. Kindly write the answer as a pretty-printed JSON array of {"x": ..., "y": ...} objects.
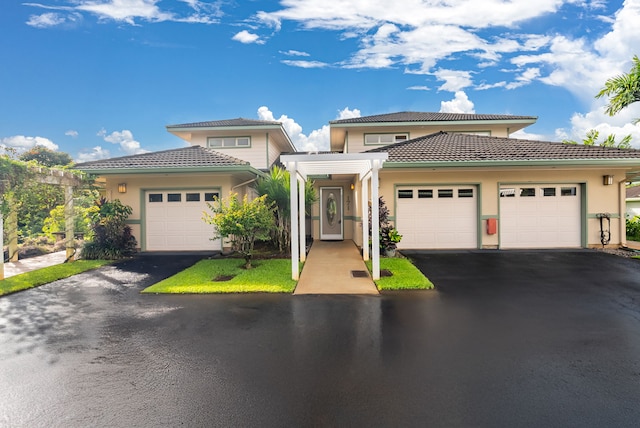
[
  {"x": 179, "y": 128},
  {"x": 337, "y": 124}
]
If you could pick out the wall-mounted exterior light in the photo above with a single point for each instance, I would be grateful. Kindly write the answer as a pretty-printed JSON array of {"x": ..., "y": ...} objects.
[
  {"x": 607, "y": 180},
  {"x": 122, "y": 188}
]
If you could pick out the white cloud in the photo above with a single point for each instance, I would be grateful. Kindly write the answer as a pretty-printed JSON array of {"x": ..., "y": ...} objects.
[
  {"x": 72, "y": 133},
  {"x": 317, "y": 140},
  {"x": 454, "y": 80},
  {"x": 292, "y": 52},
  {"x": 419, "y": 88},
  {"x": 127, "y": 11},
  {"x": 246, "y": 37},
  {"x": 522, "y": 135},
  {"x": 49, "y": 19},
  {"x": 620, "y": 125},
  {"x": 23, "y": 143},
  {"x": 124, "y": 139},
  {"x": 305, "y": 64},
  {"x": 95, "y": 153},
  {"x": 459, "y": 104},
  {"x": 524, "y": 78}
]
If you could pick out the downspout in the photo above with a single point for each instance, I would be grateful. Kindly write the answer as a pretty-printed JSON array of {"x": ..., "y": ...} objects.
[{"x": 244, "y": 183}]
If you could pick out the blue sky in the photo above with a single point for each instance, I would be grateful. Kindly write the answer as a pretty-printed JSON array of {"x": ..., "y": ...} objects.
[{"x": 102, "y": 78}]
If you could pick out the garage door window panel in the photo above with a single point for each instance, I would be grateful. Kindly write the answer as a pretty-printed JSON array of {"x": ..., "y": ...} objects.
[
  {"x": 155, "y": 197},
  {"x": 174, "y": 197},
  {"x": 193, "y": 197}
]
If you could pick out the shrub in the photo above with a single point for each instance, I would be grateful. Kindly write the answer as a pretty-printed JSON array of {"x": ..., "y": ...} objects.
[
  {"x": 112, "y": 238},
  {"x": 242, "y": 222},
  {"x": 633, "y": 228}
]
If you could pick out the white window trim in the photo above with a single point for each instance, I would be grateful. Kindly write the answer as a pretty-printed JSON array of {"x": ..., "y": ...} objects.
[
  {"x": 235, "y": 146},
  {"x": 379, "y": 134}
]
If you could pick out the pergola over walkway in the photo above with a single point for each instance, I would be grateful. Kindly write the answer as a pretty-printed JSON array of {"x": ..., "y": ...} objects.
[{"x": 365, "y": 166}]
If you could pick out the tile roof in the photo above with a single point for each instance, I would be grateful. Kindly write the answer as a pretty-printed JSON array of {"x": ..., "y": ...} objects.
[
  {"x": 240, "y": 121},
  {"x": 186, "y": 157},
  {"x": 412, "y": 116},
  {"x": 452, "y": 147}
]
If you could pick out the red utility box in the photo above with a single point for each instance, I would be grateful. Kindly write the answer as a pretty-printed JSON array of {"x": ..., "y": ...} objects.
[{"x": 492, "y": 226}]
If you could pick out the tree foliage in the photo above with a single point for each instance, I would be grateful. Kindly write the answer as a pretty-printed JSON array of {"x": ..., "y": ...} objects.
[
  {"x": 592, "y": 136},
  {"x": 242, "y": 222},
  {"x": 46, "y": 157},
  {"x": 112, "y": 238},
  {"x": 276, "y": 187},
  {"x": 622, "y": 90}
]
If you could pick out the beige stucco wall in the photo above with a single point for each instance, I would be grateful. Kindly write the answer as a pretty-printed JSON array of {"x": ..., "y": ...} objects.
[
  {"x": 138, "y": 184},
  {"x": 597, "y": 198},
  {"x": 258, "y": 155},
  {"x": 355, "y": 137}
]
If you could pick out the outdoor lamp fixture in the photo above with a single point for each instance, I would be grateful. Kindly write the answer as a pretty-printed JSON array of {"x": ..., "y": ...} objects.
[
  {"x": 352, "y": 186},
  {"x": 607, "y": 180},
  {"x": 122, "y": 188}
]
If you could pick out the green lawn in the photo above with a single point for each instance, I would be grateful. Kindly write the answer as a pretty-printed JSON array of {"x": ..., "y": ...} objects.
[
  {"x": 267, "y": 276},
  {"x": 405, "y": 276},
  {"x": 46, "y": 275}
]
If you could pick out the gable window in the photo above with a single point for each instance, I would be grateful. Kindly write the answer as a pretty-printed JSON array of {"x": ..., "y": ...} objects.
[
  {"x": 385, "y": 138},
  {"x": 223, "y": 142}
]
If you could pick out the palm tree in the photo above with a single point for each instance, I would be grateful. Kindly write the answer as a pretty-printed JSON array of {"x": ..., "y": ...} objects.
[
  {"x": 276, "y": 186},
  {"x": 622, "y": 90}
]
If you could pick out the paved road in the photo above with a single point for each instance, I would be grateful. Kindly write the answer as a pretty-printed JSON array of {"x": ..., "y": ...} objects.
[{"x": 508, "y": 339}]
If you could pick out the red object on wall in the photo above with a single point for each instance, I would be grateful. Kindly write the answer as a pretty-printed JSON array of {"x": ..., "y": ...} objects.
[{"x": 492, "y": 226}]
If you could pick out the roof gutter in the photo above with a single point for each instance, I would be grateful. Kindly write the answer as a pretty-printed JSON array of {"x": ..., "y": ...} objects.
[{"x": 514, "y": 163}]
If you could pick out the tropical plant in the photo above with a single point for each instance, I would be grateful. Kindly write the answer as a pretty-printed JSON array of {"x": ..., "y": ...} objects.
[
  {"x": 276, "y": 187},
  {"x": 242, "y": 222},
  {"x": 389, "y": 236},
  {"x": 112, "y": 238},
  {"x": 591, "y": 139},
  {"x": 622, "y": 90},
  {"x": 46, "y": 157}
]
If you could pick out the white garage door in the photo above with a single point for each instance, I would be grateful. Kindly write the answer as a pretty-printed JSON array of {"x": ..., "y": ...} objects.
[
  {"x": 540, "y": 216},
  {"x": 174, "y": 220},
  {"x": 437, "y": 217}
]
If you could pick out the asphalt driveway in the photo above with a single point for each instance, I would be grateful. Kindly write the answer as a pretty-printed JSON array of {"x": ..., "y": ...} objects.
[{"x": 507, "y": 339}]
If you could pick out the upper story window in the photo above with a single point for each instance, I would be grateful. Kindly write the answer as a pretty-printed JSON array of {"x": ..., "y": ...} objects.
[
  {"x": 385, "y": 138},
  {"x": 221, "y": 142}
]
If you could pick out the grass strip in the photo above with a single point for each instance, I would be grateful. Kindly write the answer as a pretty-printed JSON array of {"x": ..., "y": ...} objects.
[
  {"x": 46, "y": 275},
  {"x": 267, "y": 276},
  {"x": 405, "y": 276}
]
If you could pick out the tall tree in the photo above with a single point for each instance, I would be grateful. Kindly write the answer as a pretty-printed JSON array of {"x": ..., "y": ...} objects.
[
  {"x": 46, "y": 157},
  {"x": 622, "y": 90}
]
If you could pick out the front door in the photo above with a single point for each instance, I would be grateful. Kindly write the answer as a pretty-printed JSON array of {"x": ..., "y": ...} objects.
[{"x": 331, "y": 213}]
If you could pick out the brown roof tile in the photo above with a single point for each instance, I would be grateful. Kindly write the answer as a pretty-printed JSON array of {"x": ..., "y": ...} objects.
[
  {"x": 452, "y": 147},
  {"x": 186, "y": 157},
  {"x": 223, "y": 123},
  {"x": 412, "y": 116}
]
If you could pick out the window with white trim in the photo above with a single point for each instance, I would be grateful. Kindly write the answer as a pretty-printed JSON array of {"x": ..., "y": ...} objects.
[
  {"x": 223, "y": 142},
  {"x": 385, "y": 138}
]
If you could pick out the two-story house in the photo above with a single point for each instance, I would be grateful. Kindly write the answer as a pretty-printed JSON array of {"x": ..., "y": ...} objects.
[{"x": 451, "y": 181}]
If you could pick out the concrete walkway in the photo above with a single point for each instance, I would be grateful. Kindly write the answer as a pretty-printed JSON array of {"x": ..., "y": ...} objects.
[
  {"x": 33, "y": 263},
  {"x": 328, "y": 270}
]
